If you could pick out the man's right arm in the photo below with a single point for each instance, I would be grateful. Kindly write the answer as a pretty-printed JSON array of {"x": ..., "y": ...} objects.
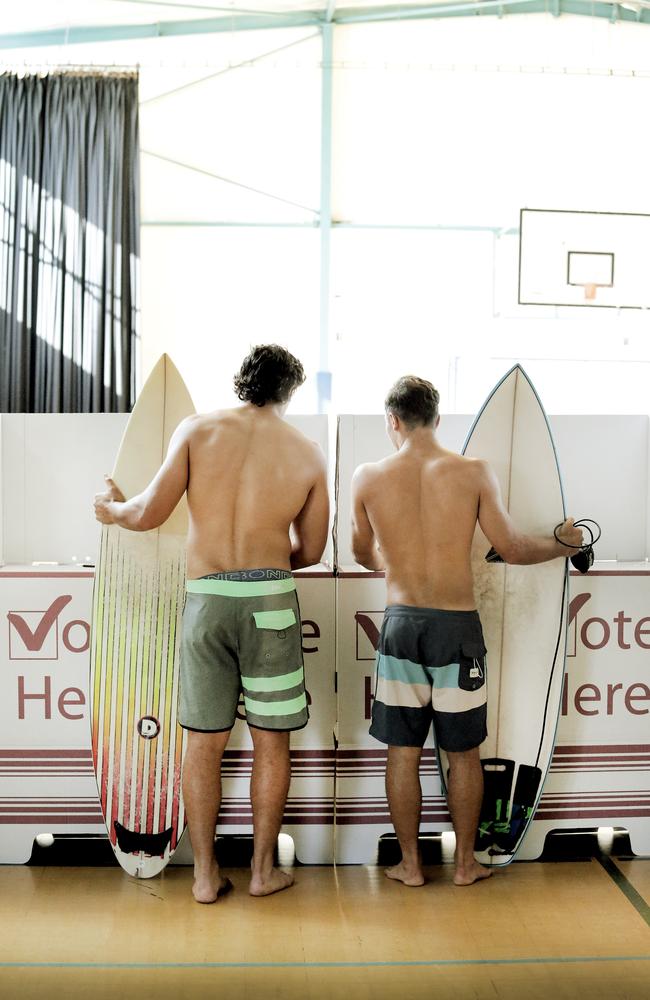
[
  {"x": 365, "y": 548},
  {"x": 512, "y": 545},
  {"x": 309, "y": 529},
  {"x": 153, "y": 506}
]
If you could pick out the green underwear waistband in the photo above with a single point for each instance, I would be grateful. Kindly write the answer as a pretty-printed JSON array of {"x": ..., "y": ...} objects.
[{"x": 240, "y": 588}]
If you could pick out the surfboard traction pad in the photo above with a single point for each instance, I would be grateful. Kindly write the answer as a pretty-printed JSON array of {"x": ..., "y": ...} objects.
[
  {"x": 505, "y": 814},
  {"x": 137, "y": 743}
]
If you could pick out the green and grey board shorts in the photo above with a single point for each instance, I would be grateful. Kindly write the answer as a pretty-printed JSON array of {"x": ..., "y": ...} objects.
[{"x": 241, "y": 633}]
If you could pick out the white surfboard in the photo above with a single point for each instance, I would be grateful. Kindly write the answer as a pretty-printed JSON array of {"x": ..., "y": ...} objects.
[
  {"x": 137, "y": 606},
  {"x": 523, "y": 611}
]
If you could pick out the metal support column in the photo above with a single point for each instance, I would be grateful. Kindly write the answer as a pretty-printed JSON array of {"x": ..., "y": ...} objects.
[{"x": 324, "y": 377}]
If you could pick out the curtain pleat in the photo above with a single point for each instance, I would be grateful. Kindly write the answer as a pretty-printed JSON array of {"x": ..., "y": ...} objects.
[{"x": 69, "y": 243}]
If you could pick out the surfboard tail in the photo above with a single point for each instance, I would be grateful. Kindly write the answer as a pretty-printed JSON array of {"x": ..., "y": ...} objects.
[
  {"x": 137, "y": 743},
  {"x": 151, "y": 844}
]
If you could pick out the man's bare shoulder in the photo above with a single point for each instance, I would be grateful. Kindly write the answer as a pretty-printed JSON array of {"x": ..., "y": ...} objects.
[
  {"x": 473, "y": 474},
  {"x": 477, "y": 467},
  {"x": 474, "y": 467},
  {"x": 187, "y": 427},
  {"x": 368, "y": 473},
  {"x": 220, "y": 416},
  {"x": 295, "y": 433},
  {"x": 199, "y": 423},
  {"x": 310, "y": 451}
]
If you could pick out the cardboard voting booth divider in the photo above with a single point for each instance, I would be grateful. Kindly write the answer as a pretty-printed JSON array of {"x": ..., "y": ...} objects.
[
  {"x": 47, "y": 782},
  {"x": 309, "y": 813},
  {"x": 52, "y": 464},
  {"x": 361, "y": 809},
  {"x": 600, "y": 772}
]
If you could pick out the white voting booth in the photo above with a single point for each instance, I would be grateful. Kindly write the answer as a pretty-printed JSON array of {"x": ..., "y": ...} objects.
[
  {"x": 52, "y": 465},
  {"x": 600, "y": 775},
  {"x": 600, "y": 772}
]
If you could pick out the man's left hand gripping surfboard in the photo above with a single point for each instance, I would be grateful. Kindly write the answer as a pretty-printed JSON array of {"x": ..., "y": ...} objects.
[{"x": 137, "y": 607}]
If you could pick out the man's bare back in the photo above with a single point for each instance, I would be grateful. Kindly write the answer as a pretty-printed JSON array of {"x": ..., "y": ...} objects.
[
  {"x": 414, "y": 515},
  {"x": 422, "y": 504},
  {"x": 256, "y": 490},
  {"x": 250, "y": 476}
]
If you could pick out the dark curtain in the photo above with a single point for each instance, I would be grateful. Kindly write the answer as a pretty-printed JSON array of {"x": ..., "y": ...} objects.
[{"x": 69, "y": 242}]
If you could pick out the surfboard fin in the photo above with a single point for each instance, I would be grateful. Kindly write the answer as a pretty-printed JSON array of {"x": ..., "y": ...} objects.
[{"x": 132, "y": 842}]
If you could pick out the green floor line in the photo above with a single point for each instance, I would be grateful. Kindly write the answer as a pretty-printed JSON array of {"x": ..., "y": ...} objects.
[
  {"x": 626, "y": 887},
  {"x": 579, "y": 959}
]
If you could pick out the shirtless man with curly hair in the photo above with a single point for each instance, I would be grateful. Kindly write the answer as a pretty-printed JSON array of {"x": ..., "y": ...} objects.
[{"x": 258, "y": 509}]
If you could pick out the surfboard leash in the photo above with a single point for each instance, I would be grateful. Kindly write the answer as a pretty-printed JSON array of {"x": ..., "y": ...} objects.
[
  {"x": 583, "y": 559},
  {"x": 562, "y": 630}
]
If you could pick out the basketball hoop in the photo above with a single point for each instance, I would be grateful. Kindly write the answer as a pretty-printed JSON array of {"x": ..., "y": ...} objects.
[{"x": 589, "y": 270}]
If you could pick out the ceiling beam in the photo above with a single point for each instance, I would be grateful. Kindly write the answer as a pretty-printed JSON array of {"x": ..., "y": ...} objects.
[
  {"x": 496, "y": 8},
  {"x": 83, "y": 34}
]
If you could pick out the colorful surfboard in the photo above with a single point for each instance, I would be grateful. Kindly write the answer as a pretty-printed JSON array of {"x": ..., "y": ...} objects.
[
  {"x": 524, "y": 613},
  {"x": 137, "y": 606}
]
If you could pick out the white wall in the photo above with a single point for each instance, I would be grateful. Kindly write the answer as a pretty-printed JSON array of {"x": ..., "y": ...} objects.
[
  {"x": 210, "y": 292},
  {"x": 458, "y": 122},
  {"x": 462, "y": 123}
]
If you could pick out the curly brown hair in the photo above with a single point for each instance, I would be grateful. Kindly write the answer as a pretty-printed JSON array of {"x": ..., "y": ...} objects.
[{"x": 268, "y": 374}]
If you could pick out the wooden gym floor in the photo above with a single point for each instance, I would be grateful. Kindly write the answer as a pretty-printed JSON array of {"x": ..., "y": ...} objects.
[{"x": 553, "y": 929}]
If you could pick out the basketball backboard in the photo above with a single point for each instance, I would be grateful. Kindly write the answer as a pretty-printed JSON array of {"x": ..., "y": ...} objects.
[{"x": 584, "y": 259}]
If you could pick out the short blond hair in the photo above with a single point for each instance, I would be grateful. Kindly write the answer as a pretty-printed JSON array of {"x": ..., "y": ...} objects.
[{"x": 414, "y": 401}]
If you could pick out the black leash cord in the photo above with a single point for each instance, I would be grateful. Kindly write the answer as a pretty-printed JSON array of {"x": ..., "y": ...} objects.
[{"x": 583, "y": 523}]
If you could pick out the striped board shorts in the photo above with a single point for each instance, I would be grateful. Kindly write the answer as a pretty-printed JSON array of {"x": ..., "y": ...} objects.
[
  {"x": 430, "y": 667},
  {"x": 242, "y": 633}
]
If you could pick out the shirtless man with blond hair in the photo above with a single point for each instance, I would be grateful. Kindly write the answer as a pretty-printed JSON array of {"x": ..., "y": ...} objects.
[
  {"x": 414, "y": 516},
  {"x": 258, "y": 509}
]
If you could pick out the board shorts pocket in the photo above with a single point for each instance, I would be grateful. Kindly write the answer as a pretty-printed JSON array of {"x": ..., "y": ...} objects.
[
  {"x": 277, "y": 621},
  {"x": 275, "y": 639},
  {"x": 471, "y": 666},
  {"x": 272, "y": 671}
]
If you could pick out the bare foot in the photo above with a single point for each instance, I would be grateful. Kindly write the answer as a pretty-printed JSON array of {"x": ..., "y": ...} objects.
[
  {"x": 409, "y": 876},
  {"x": 275, "y": 881},
  {"x": 471, "y": 874},
  {"x": 209, "y": 888}
]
